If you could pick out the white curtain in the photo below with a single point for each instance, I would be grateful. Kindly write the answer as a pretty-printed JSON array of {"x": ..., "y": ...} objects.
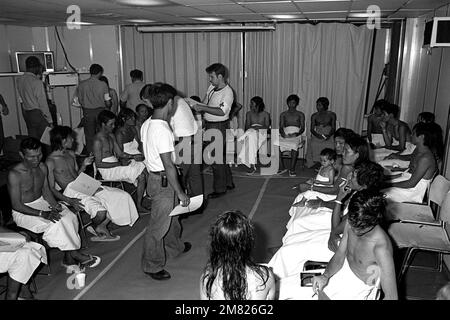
[
  {"x": 328, "y": 59},
  {"x": 180, "y": 59}
]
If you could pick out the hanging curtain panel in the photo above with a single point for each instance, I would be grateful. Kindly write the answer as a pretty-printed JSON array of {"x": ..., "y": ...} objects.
[
  {"x": 328, "y": 59},
  {"x": 180, "y": 59}
]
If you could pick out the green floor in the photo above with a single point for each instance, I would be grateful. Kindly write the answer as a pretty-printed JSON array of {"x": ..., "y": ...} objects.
[{"x": 265, "y": 199}]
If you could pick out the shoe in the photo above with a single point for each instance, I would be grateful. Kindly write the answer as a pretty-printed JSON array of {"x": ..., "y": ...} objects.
[
  {"x": 280, "y": 172},
  {"x": 216, "y": 194},
  {"x": 292, "y": 173},
  {"x": 251, "y": 173},
  {"x": 231, "y": 187},
  {"x": 187, "y": 247},
  {"x": 160, "y": 275}
]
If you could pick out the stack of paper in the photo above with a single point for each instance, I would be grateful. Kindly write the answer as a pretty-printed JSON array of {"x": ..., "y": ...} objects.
[{"x": 195, "y": 203}]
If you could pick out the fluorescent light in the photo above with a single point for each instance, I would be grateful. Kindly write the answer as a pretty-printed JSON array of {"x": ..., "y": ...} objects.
[
  {"x": 205, "y": 28},
  {"x": 208, "y": 19},
  {"x": 284, "y": 16},
  {"x": 140, "y": 20},
  {"x": 143, "y": 3},
  {"x": 82, "y": 23}
]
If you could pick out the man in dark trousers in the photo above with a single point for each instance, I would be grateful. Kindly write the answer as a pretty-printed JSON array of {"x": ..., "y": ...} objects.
[
  {"x": 93, "y": 96},
  {"x": 216, "y": 107}
]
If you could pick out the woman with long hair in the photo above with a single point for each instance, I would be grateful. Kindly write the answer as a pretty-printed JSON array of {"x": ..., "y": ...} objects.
[{"x": 230, "y": 273}]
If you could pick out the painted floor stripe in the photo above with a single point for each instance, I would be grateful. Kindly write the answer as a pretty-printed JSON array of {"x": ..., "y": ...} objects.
[
  {"x": 104, "y": 271},
  {"x": 258, "y": 200}
]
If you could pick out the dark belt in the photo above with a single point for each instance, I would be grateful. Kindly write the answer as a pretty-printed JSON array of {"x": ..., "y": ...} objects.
[
  {"x": 224, "y": 121},
  {"x": 157, "y": 172}
]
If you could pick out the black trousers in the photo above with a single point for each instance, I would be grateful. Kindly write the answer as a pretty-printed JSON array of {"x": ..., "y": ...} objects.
[{"x": 221, "y": 171}]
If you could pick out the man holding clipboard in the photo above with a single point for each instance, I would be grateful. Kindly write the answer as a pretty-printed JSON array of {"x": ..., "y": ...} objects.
[{"x": 162, "y": 238}]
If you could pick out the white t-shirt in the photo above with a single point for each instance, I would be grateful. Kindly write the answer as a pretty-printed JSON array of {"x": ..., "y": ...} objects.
[
  {"x": 183, "y": 122},
  {"x": 156, "y": 138},
  {"x": 222, "y": 98}
]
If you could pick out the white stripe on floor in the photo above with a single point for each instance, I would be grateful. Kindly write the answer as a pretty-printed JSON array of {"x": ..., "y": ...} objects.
[
  {"x": 104, "y": 271},
  {"x": 258, "y": 200}
]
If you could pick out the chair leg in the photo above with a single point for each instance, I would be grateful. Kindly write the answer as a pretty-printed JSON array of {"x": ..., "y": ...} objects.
[
  {"x": 33, "y": 283},
  {"x": 406, "y": 263}
]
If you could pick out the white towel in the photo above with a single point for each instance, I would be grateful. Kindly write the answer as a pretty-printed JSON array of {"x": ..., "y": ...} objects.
[
  {"x": 287, "y": 144},
  {"x": 118, "y": 203},
  {"x": 251, "y": 141},
  {"x": 415, "y": 194},
  {"x": 21, "y": 264},
  {"x": 131, "y": 147},
  {"x": 127, "y": 173},
  {"x": 62, "y": 234}
]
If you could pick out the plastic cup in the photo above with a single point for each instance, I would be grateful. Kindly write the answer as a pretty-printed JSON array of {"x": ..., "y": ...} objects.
[{"x": 80, "y": 279}]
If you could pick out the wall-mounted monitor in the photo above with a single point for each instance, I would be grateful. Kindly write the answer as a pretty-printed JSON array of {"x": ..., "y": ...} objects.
[
  {"x": 46, "y": 58},
  {"x": 437, "y": 32}
]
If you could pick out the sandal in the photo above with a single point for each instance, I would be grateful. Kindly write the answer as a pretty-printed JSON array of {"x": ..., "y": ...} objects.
[
  {"x": 92, "y": 262},
  {"x": 105, "y": 238}
]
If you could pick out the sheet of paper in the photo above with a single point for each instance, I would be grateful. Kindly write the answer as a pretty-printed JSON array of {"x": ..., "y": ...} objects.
[
  {"x": 195, "y": 203},
  {"x": 86, "y": 184},
  {"x": 45, "y": 139}
]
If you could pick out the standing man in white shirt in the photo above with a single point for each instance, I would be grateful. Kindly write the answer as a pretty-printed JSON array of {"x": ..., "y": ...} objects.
[
  {"x": 216, "y": 106},
  {"x": 130, "y": 97},
  {"x": 33, "y": 98},
  {"x": 162, "y": 238}
]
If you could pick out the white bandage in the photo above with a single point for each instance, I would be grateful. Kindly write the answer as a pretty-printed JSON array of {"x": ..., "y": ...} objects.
[{"x": 107, "y": 97}]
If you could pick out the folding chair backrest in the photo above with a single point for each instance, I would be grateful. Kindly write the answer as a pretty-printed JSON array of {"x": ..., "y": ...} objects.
[
  {"x": 444, "y": 211},
  {"x": 438, "y": 190}
]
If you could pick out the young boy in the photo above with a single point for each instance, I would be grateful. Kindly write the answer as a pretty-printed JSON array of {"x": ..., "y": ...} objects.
[
  {"x": 292, "y": 125},
  {"x": 326, "y": 173}
]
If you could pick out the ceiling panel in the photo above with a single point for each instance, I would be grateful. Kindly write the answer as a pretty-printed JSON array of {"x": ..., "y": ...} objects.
[
  {"x": 271, "y": 7},
  {"x": 223, "y": 9},
  {"x": 408, "y": 13},
  {"x": 383, "y": 4},
  {"x": 328, "y": 16},
  {"x": 201, "y": 2},
  {"x": 179, "y": 11},
  {"x": 246, "y": 17},
  {"x": 426, "y": 4},
  {"x": 324, "y": 6}
]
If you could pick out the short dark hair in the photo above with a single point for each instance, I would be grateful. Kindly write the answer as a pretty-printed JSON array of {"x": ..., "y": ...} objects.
[
  {"x": 329, "y": 153},
  {"x": 343, "y": 133},
  {"x": 141, "y": 105},
  {"x": 29, "y": 143},
  {"x": 259, "y": 103},
  {"x": 379, "y": 104},
  {"x": 432, "y": 137},
  {"x": 324, "y": 102},
  {"x": 95, "y": 69},
  {"x": 366, "y": 209},
  {"x": 196, "y": 98},
  {"x": 427, "y": 117},
  {"x": 293, "y": 97},
  {"x": 360, "y": 146},
  {"x": 217, "y": 68},
  {"x": 369, "y": 174},
  {"x": 104, "y": 116},
  {"x": 391, "y": 108},
  {"x": 136, "y": 74},
  {"x": 32, "y": 62},
  {"x": 57, "y": 135},
  {"x": 124, "y": 115},
  {"x": 159, "y": 94},
  {"x": 144, "y": 91},
  {"x": 104, "y": 79}
]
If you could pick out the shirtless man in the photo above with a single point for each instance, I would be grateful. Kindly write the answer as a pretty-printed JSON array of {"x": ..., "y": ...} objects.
[
  {"x": 412, "y": 184},
  {"x": 393, "y": 128},
  {"x": 323, "y": 126},
  {"x": 127, "y": 135},
  {"x": 107, "y": 204},
  {"x": 364, "y": 256},
  {"x": 374, "y": 130},
  {"x": 35, "y": 208},
  {"x": 114, "y": 164},
  {"x": 292, "y": 125}
]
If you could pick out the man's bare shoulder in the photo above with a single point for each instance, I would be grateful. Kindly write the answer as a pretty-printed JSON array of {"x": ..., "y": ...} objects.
[
  {"x": 15, "y": 171},
  {"x": 381, "y": 240},
  {"x": 43, "y": 167}
]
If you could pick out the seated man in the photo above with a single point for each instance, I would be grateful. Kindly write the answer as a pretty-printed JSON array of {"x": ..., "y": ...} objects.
[
  {"x": 20, "y": 264},
  {"x": 374, "y": 130},
  {"x": 107, "y": 204},
  {"x": 127, "y": 135},
  {"x": 396, "y": 134},
  {"x": 35, "y": 208},
  {"x": 412, "y": 184},
  {"x": 292, "y": 125},
  {"x": 256, "y": 119},
  {"x": 107, "y": 154},
  {"x": 364, "y": 257}
]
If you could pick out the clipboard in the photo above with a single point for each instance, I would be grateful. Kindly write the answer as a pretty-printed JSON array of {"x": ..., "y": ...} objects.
[
  {"x": 85, "y": 184},
  {"x": 195, "y": 203}
]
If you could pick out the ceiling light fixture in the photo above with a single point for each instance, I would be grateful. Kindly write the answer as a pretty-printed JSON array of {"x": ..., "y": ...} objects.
[
  {"x": 283, "y": 16},
  {"x": 140, "y": 20},
  {"x": 205, "y": 28},
  {"x": 208, "y": 19},
  {"x": 143, "y": 3}
]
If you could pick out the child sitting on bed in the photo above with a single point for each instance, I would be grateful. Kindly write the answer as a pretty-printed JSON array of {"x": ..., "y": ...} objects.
[{"x": 325, "y": 176}]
